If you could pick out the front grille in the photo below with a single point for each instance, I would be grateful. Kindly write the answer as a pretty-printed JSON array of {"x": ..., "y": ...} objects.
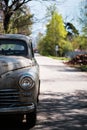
[{"x": 9, "y": 98}]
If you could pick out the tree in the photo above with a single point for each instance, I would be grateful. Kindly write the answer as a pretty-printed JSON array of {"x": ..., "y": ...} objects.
[
  {"x": 83, "y": 17},
  {"x": 55, "y": 34},
  {"x": 80, "y": 42},
  {"x": 71, "y": 29},
  {"x": 21, "y": 21},
  {"x": 9, "y": 7}
]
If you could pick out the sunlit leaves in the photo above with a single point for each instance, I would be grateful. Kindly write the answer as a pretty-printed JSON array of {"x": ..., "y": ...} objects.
[{"x": 55, "y": 35}]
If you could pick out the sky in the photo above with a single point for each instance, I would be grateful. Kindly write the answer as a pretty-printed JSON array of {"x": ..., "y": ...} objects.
[{"x": 69, "y": 9}]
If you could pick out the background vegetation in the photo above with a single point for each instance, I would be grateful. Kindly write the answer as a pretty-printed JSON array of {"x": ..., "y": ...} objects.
[
  {"x": 64, "y": 34},
  {"x": 15, "y": 15},
  {"x": 18, "y": 19}
]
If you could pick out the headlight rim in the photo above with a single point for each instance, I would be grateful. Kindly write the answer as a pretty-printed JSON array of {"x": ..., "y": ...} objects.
[{"x": 28, "y": 87}]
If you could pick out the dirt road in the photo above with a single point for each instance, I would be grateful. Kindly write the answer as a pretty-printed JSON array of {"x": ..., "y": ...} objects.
[{"x": 63, "y": 99}]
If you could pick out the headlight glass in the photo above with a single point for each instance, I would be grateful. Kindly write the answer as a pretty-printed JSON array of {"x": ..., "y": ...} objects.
[{"x": 26, "y": 82}]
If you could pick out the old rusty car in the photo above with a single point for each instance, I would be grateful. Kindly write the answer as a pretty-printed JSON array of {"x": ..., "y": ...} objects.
[{"x": 19, "y": 78}]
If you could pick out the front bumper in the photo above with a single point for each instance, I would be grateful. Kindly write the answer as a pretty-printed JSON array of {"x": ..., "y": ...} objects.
[{"x": 19, "y": 109}]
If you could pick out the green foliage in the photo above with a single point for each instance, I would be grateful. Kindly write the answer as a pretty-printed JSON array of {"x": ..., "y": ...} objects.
[
  {"x": 75, "y": 42},
  {"x": 55, "y": 35},
  {"x": 83, "y": 68},
  {"x": 83, "y": 43},
  {"x": 41, "y": 46},
  {"x": 21, "y": 21},
  {"x": 45, "y": 48},
  {"x": 1, "y": 28},
  {"x": 66, "y": 47},
  {"x": 80, "y": 43},
  {"x": 56, "y": 28},
  {"x": 9, "y": 7}
]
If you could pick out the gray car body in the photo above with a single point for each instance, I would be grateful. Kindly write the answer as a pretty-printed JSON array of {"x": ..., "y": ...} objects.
[{"x": 13, "y": 99}]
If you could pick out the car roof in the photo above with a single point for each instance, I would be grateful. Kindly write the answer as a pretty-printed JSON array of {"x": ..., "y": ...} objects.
[{"x": 15, "y": 36}]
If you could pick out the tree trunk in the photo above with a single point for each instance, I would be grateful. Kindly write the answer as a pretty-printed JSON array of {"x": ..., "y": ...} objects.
[{"x": 6, "y": 21}]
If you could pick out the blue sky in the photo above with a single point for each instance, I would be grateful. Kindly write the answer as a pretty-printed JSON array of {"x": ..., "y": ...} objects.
[{"x": 69, "y": 9}]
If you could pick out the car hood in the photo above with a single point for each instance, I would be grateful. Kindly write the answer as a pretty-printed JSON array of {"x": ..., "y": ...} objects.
[{"x": 10, "y": 63}]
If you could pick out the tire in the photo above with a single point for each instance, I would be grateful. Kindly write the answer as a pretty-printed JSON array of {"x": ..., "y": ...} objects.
[{"x": 31, "y": 118}]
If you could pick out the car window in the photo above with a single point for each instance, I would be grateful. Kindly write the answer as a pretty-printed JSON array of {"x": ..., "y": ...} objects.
[{"x": 13, "y": 47}]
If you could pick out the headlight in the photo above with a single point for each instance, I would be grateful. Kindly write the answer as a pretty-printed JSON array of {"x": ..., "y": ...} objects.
[{"x": 26, "y": 82}]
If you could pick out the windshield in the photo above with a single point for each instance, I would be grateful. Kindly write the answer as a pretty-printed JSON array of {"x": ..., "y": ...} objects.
[{"x": 13, "y": 47}]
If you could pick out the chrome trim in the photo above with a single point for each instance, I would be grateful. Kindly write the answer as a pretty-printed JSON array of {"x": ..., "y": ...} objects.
[
  {"x": 12, "y": 98},
  {"x": 21, "y": 109},
  {"x": 26, "y": 76}
]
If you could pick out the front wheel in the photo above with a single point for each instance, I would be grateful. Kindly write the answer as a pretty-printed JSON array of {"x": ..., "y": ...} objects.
[{"x": 31, "y": 118}]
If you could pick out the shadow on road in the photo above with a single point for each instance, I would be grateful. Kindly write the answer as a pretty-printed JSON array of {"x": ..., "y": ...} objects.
[
  {"x": 61, "y": 111},
  {"x": 58, "y": 111}
]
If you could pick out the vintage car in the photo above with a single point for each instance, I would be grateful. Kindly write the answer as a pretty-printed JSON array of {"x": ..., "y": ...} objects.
[{"x": 19, "y": 78}]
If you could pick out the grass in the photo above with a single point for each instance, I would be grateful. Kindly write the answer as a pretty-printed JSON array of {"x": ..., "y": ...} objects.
[
  {"x": 83, "y": 67},
  {"x": 60, "y": 58},
  {"x": 80, "y": 67}
]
